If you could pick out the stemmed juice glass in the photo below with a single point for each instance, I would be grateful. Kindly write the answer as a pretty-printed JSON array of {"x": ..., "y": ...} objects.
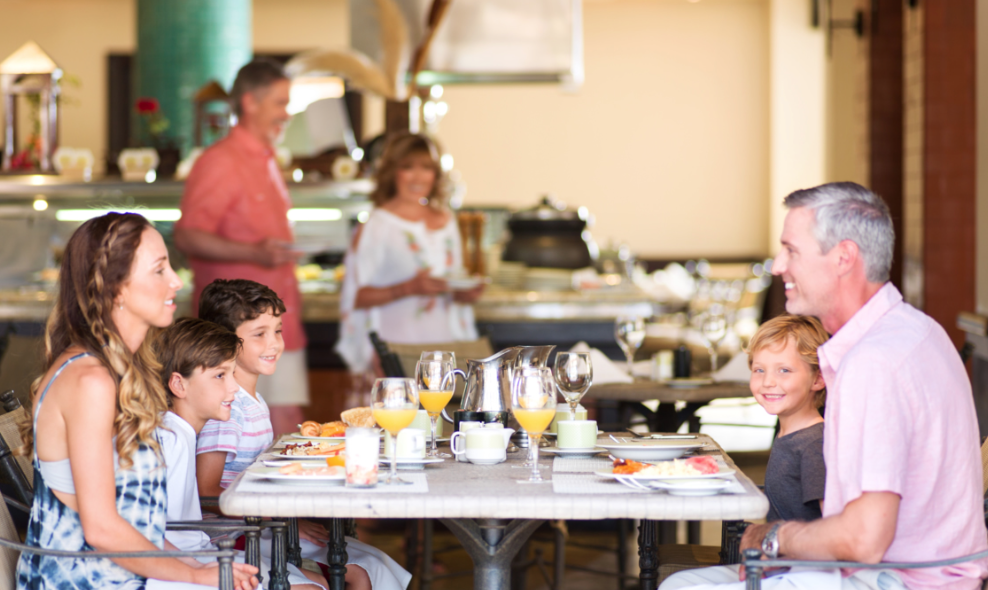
[
  {"x": 629, "y": 333},
  {"x": 533, "y": 402},
  {"x": 573, "y": 374},
  {"x": 435, "y": 385},
  {"x": 394, "y": 405}
]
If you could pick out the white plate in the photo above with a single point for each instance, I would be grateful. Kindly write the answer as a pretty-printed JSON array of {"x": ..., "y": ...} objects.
[
  {"x": 651, "y": 450},
  {"x": 573, "y": 453},
  {"x": 609, "y": 475},
  {"x": 274, "y": 474},
  {"x": 304, "y": 438},
  {"x": 691, "y": 487},
  {"x": 266, "y": 457},
  {"x": 463, "y": 283},
  {"x": 411, "y": 463},
  {"x": 689, "y": 382}
]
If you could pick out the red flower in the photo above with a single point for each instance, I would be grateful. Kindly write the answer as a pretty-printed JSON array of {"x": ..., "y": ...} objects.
[{"x": 147, "y": 106}]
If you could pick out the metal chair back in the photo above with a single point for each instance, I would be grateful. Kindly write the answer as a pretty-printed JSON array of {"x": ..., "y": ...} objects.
[{"x": 15, "y": 467}]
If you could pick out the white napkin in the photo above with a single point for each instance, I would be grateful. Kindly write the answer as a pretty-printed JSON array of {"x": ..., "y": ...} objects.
[
  {"x": 735, "y": 370},
  {"x": 604, "y": 369}
]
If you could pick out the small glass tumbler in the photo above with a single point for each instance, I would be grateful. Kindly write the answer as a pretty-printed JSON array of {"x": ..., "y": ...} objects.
[{"x": 362, "y": 447}]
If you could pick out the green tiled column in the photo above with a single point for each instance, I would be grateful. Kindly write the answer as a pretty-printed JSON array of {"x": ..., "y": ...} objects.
[{"x": 181, "y": 45}]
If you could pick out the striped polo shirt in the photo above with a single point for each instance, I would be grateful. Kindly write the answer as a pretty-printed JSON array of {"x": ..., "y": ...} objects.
[{"x": 243, "y": 437}]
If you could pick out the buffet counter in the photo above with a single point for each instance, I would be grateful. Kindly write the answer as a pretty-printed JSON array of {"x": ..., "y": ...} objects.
[{"x": 32, "y": 304}]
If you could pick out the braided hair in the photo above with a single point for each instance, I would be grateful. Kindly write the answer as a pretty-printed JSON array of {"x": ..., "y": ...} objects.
[{"x": 96, "y": 264}]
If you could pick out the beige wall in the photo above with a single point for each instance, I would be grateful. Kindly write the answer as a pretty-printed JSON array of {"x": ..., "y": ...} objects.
[
  {"x": 847, "y": 100},
  {"x": 666, "y": 143}
]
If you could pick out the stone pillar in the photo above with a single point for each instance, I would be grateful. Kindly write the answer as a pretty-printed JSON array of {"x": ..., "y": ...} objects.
[{"x": 181, "y": 45}]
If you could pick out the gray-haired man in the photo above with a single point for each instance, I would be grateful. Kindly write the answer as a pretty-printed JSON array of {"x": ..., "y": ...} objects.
[{"x": 900, "y": 435}]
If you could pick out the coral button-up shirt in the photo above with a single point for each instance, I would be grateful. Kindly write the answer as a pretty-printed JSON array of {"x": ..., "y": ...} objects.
[
  {"x": 235, "y": 191},
  {"x": 900, "y": 418}
]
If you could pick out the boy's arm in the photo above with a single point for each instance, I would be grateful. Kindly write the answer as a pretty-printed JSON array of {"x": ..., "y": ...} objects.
[{"x": 209, "y": 472}]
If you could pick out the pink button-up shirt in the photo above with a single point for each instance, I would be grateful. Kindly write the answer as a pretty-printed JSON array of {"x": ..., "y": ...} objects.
[
  {"x": 235, "y": 191},
  {"x": 900, "y": 418}
]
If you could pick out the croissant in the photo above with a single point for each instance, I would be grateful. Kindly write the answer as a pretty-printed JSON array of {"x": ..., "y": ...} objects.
[{"x": 310, "y": 428}]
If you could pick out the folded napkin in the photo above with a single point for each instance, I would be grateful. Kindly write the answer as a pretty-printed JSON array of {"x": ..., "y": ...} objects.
[
  {"x": 604, "y": 369},
  {"x": 735, "y": 370}
]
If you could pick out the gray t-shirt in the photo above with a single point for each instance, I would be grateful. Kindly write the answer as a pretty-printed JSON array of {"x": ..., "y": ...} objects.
[{"x": 795, "y": 477}]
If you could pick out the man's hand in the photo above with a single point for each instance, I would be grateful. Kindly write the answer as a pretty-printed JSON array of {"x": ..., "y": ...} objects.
[
  {"x": 425, "y": 284},
  {"x": 313, "y": 532},
  {"x": 273, "y": 253},
  {"x": 469, "y": 296},
  {"x": 752, "y": 539}
]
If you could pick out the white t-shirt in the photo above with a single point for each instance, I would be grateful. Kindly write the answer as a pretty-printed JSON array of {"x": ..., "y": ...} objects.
[
  {"x": 392, "y": 250},
  {"x": 178, "y": 445}
]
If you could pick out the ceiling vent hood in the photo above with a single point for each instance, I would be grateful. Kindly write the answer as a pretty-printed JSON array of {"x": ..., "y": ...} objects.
[{"x": 486, "y": 41}]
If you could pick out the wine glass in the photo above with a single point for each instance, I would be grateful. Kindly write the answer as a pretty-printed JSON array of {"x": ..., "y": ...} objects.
[
  {"x": 630, "y": 333},
  {"x": 435, "y": 390},
  {"x": 713, "y": 328},
  {"x": 533, "y": 402},
  {"x": 395, "y": 402},
  {"x": 573, "y": 374},
  {"x": 439, "y": 355}
]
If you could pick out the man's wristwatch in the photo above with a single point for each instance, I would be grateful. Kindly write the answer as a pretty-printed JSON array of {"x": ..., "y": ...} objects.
[{"x": 770, "y": 544}]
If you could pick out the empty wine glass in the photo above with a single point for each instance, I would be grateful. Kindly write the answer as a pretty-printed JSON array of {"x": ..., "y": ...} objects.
[
  {"x": 713, "y": 328},
  {"x": 533, "y": 402},
  {"x": 394, "y": 402},
  {"x": 630, "y": 333},
  {"x": 573, "y": 374}
]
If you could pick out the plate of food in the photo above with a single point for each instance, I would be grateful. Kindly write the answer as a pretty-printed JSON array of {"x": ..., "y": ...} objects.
[
  {"x": 651, "y": 450},
  {"x": 309, "y": 449},
  {"x": 704, "y": 467},
  {"x": 298, "y": 473},
  {"x": 336, "y": 430}
]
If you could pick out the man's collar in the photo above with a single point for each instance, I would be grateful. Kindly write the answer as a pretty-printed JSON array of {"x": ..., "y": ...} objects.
[
  {"x": 252, "y": 145},
  {"x": 861, "y": 322}
]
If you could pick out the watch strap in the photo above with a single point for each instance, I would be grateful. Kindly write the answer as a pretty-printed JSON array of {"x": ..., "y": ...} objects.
[{"x": 770, "y": 544}]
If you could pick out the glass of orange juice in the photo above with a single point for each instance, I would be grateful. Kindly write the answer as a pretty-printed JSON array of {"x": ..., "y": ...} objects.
[
  {"x": 533, "y": 402},
  {"x": 434, "y": 379},
  {"x": 394, "y": 403}
]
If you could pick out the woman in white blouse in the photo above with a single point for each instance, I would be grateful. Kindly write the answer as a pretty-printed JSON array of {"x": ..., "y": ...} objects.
[{"x": 397, "y": 265}]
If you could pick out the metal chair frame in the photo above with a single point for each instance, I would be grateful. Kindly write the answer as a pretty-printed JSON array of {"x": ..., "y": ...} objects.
[{"x": 754, "y": 565}]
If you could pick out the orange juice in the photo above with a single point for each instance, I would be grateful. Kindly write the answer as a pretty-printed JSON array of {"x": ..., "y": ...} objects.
[
  {"x": 535, "y": 421},
  {"x": 394, "y": 419},
  {"x": 434, "y": 401}
]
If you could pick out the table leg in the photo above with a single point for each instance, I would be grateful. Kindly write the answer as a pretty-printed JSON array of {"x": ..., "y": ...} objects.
[
  {"x": 279, "y": 561},
  {"x": 294, "y": 547},
  {"x": 492, "y": 544},
  {"x": 336, "y": 556},
  {"x": 252, "y": 548},
  {"x": 648, "y": 554}
]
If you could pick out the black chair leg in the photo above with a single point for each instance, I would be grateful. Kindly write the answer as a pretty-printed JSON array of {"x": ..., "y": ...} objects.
[
  {"x": 253, "y": 548},
  {"x": 294, "y": 545},
  {"x": 336, "y": 556},
  {"x": 648, "y": 558}
]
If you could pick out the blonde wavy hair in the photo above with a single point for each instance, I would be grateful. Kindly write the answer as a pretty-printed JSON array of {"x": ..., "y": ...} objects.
[
  {"x": 806, "y": 331},
  {"x": 96, "y": 264},
  {"x": 399, "y": 148}
]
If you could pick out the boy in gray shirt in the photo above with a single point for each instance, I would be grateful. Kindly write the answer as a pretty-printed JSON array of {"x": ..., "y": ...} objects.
[{"x": 786, "y": 381}]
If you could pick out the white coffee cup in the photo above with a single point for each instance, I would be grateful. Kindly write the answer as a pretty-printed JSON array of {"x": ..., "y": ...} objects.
[
  {"x": 483, "y": 446},
  {"x": 563, "y": 413},
  {"x": 577, "y": 434},
  {"x": 411, "y": 444}
]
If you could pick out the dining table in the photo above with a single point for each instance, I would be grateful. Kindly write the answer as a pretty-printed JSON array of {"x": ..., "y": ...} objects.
[
  {"x": 491, "y": 512},
  {"x": 618, "y": 403}
]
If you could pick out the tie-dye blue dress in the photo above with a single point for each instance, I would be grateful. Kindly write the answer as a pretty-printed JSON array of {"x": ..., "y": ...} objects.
[{"x": 141, "y": 501}]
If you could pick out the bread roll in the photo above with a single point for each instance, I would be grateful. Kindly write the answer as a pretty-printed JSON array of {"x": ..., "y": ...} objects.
[
  {"x": 359, "y": 418},
  {"x": 310, "y": 428}
]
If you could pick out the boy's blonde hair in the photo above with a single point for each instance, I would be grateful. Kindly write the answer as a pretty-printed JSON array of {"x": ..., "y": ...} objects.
[{"x": 806, "y": 331}]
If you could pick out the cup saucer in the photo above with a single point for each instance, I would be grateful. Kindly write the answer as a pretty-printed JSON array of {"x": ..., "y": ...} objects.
[{"x": 574, "y": 453}]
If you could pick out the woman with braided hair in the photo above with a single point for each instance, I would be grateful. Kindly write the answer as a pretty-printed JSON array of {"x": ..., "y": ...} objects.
[{"x": 98, "y": 473}]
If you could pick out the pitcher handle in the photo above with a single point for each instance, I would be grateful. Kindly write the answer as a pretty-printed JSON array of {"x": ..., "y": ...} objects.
[{"x": 451, "y": 375}]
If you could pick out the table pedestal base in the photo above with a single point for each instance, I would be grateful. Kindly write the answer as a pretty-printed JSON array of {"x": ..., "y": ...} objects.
[{"x": 492, "y": 545}]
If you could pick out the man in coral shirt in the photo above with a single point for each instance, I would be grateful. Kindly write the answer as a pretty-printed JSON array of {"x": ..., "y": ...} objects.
[
  {"x": 234, "y": 224},
  {"x": 900, "y": 441}
]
